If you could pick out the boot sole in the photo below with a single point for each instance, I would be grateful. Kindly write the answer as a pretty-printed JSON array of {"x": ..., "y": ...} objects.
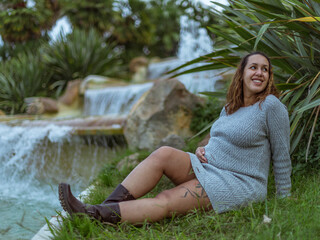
[{"x": 63, "y": 189}]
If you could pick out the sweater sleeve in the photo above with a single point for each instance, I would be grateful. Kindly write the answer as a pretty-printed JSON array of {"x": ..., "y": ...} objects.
[{"x": 279, "y": 137}]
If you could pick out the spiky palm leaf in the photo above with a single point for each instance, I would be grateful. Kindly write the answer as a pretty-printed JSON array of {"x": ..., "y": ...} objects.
[{"x": 78, "y": 55}]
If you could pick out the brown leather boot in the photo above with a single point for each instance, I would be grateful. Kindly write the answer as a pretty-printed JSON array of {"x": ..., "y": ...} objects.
[
  {"x": 102, "y": 212},
  {"x": 120, "y": 194}
]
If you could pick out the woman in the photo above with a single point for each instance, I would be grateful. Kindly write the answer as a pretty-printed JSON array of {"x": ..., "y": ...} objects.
[{"x": 229, "y": 172}]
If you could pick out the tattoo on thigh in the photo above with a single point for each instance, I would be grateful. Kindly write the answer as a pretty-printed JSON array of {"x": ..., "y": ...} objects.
[{"x": 194, "y": 194}]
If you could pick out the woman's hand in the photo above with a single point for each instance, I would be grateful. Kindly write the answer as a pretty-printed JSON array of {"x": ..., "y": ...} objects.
[{"x": 200, "y": 154}]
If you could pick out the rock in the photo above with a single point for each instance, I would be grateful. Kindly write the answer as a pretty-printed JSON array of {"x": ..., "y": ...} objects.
[
  {"x": 139, "y": 67},
  {"x": 41, "y": 105},
  {"x": 2, "y": 113},
  {"x": 164, "y": 110},
  {"x": 128, "y": 162},
  {"x": 99, "y": 82},
  {"x": 137, "y": 62},
  {"x": 140, "y": 75},
  {"x": 71, "y": 93},
  {"x": 173, "y": 140}
]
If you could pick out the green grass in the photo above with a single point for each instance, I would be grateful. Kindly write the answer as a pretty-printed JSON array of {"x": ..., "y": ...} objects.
[{"x": 296, "y": 217}]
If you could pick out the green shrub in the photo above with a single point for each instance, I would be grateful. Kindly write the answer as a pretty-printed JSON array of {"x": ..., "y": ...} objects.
[
  {"x": 22, "y": 77},
  {"x": 204, "y": 114},
  {"x": 300, "y": 164},
  {"x": 78, "y": 55}
]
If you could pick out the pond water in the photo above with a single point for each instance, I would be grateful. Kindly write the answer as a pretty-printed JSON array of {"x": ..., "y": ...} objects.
[{"x": 33, "y": 160}]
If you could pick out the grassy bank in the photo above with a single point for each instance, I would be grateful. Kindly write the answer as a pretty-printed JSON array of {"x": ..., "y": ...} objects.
[{"x": 296, "y": 217}]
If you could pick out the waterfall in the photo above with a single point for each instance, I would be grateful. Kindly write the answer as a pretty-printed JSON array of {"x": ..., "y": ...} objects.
[
  {"x": 23, "y": 160},
  {"x": 33, "y": 160},
  {"x": 113, "y": 101},
  {"x": 32, "y": 157},
  {"x": 194, "y": 42}
]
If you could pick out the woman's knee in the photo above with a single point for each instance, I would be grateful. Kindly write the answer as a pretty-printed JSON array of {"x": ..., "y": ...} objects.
[
  {"x": 162, "y": 154},
  {"x": 164, "y": 151},
  {"x": 164, "y": 202}
]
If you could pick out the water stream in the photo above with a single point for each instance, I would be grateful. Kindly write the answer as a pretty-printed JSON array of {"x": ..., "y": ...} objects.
[{"x": 33, "y": 160}]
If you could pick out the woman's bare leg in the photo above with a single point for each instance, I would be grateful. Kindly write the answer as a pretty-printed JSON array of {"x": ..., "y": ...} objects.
[
  {"x": 173, "y": 163},
  {"x": 179, "y": 200}
]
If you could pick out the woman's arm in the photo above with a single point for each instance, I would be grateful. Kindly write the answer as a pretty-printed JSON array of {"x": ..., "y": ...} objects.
[{"x": 279, "y": 137}]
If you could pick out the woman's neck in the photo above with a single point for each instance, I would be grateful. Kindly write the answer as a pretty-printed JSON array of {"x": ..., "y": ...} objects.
[{"x": 247, "y": 101}]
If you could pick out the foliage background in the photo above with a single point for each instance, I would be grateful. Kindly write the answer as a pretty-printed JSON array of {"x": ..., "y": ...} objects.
[{"x": 106, "y": 36}]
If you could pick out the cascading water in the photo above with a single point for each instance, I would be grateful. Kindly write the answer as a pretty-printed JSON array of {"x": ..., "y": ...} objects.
[
  {"x": 17, "y": 158},
  {"x": 194, "y": 42},
  {"x": 33, "y": 160},
  {"x": 113, "y": 101}
]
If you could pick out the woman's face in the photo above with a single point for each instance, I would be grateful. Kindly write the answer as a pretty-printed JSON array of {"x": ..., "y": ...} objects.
[{"x": 255, "y": 75}]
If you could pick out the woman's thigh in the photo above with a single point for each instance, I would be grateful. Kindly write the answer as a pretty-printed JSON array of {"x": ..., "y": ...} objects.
[{"x": 176, "y": 164}]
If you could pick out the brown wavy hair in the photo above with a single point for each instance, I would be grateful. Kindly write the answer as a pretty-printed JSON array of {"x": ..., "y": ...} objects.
[{"x": 235, "y": 98}]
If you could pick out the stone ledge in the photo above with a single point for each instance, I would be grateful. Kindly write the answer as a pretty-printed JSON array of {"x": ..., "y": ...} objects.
[
  {"x": 97, "y": 131},
  {"x": 89, "y": 126}
]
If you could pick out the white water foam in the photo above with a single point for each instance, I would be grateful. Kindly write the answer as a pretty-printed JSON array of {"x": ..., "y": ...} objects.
[
  {"x": 23, "y": 159},
  {"x": 33, "y": 160}
]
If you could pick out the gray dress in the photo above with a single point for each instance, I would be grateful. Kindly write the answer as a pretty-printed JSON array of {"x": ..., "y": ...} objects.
[{"x": 239, "y": 151}]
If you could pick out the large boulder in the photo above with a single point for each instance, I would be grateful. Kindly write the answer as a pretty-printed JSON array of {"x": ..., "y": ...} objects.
[
  {"x": 166, "y": 109},
  {"x": 173, "y": 140},
  {"x": 128, "y": 162}
]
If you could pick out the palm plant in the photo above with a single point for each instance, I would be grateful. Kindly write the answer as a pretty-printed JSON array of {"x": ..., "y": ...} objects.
[
  {"x": 22, "y": 77},
  {"x": 78, "y": 55},
  {"x": 289, "y": 32}
]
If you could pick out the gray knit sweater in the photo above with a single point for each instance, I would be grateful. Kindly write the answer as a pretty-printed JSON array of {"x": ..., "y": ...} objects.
[{"x": 239, "y": 153}]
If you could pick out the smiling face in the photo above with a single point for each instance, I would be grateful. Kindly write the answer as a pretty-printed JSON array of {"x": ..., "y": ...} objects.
[{"x": 255, "y": 76}]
